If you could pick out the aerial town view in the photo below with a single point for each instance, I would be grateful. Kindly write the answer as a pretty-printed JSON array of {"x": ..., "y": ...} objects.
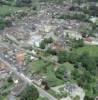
[{"x": 48, "y": 49}]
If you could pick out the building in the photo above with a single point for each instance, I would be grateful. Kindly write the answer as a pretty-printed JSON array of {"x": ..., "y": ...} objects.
[
  {"x": 74, "y": 90},
  {"x": 20, "y": 57},
  {"x": 2, "y": 65}
]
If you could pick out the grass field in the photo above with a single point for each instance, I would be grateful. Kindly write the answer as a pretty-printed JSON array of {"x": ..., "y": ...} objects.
[
  {"x": 68, "y": 66},
  {"x": 39, "y": 66},
  {"x": 5, "y": 10},
  {"x": 42, "y": 67},
  {"x": 92, "y": 50}
]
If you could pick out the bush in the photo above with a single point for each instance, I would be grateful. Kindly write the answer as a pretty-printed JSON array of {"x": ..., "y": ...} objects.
[
  {"x": 60, "y": 72},
  {"x": 45, "y": 42},
  {"x": 29, "y": 93},
  {"x": 10, "y": 80},
  {"x": 42, "y": 45},
  {"x": 62, "y": 56},
  {"x": 88, "y": 98},
  {"x": 76, "y": 98},
  {"x": 51, "y": 51},
  {"x": 4, "y": 23},
  {"x": 72, "y": 57},
  {"x": 88, "y": 62},
  {"x": 48, "y": 40},
  {"x": 23, "y": 2},
  {"x": 77, "y": 43}
]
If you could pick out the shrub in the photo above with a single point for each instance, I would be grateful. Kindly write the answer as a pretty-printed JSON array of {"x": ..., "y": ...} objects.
[
  {"x": 62, "y": 56},
  {"x": 42, "y": 45},
  {"x": 29, "y": 93},
  {"x": 76, "y": 98},
  {"x": 51, "y": 51}
]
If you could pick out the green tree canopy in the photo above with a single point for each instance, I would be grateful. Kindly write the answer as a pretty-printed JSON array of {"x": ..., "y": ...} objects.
[
  {"x": 29, "y": 93},
  {"x": 63, "y": 56},
  {"x": 88, "y": 62}
]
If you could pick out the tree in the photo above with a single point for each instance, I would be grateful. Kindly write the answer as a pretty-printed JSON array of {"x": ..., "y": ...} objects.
[
  {"x": 72, "y": 57},
  {"x": 10, "y": 80},
  {"x": 77, "y": 43},
  {"x": 77, "y": 65},
  {"x": 23, "y": 2},
  {"x": 42, "y": 45},
  {"x": 62, "y": 56},
  {"x": 60, "y": 72},
  {"x": 51, "y": 51},
  {"x": 96, "y": 59},
  {"x": 75, "y": 74},
  {"x": 88, "y": 62},
  {"x": 2, "y": 23},
  {"x": 88, "y": 98},
  {"x": 48, "y": 40},
  {"x": 29, "y": 93},
  {"x": 86, "y": 81}
]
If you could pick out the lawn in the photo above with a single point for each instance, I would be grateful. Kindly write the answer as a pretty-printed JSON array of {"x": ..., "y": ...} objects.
[
  {"x": 42, "y": 67},
  {"x": 39, "y": 66},
  {"x": 3, "y": 97},
  {"x": 51, "y": 77},
  {"x": 92, "y": 50},
  {"x": 68, "y": 66},
  {"x": 6, "y": 10}
]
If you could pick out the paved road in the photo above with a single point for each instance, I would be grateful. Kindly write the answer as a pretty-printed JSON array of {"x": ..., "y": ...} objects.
[{"x": 26, "y": 79}]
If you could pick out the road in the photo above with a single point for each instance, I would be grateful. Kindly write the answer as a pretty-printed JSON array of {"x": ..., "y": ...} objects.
[{"x": 11, "y": 67}]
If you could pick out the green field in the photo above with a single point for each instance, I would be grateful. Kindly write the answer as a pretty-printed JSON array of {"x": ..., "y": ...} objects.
[
  {"x": 39, "y": 66},
  {"x": 68, "y": 66},
  {"x": 92, "y": 50},
  {"x": 47, "y": 69},
  {"x": 6, "y": 10}
]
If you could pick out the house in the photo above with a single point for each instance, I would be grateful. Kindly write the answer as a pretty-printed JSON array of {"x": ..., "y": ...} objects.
[
  {"x": 74, "y": 90},
  {"x": 73, "y": 34},
  {"x": 35, "y": 40},
  {"x": 57, "y": 46},
  {"x": 20, "y": 57},
  {"x": 2, "y": 65},
  {"x": 93, "y": 19}
]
